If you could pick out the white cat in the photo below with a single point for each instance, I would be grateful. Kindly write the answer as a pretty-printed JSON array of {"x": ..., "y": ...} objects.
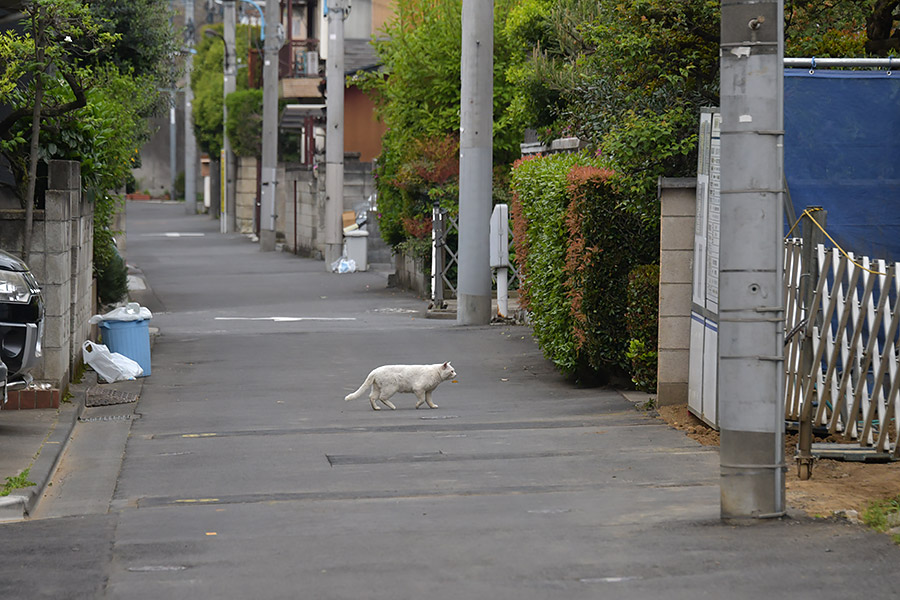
[{"x": 390, "y": 379}]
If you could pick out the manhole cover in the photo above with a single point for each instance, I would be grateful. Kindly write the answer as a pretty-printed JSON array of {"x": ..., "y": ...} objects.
[{"x": 100, "y": 396}]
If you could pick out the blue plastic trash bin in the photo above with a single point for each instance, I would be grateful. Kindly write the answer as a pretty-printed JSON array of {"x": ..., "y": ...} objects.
[{"x": 129, "y": 338}]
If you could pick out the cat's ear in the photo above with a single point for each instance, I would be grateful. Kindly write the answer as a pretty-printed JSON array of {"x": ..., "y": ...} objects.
[{"x": 446, "y": 364}]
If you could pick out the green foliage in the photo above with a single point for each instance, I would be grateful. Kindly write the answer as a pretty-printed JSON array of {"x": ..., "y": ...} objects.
[
  {"x": 112, "y": 279},
  {"x": 417, "y": 96},
  {"x": 109, "y": 267},
  {"x": 826, "y": 28},
  {"x": 539, "y": 214},
  {"x": 575, "y": 244},
  {"x": 16, "y": 482},
  {"x": 642, "y": 322},
  {"x": 605, "y": 241},
  {"x": 58, "y": 51},
  {"x": 146, "y": 43},
  {"x": 245, "y": 108},
  {"x": 883, "y": 515},
  {"x": 207, "y": 83}
]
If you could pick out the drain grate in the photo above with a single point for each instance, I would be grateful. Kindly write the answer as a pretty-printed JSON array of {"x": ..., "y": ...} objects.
[
  {"x": 101, "y": 396},
  {"x": 105, "y": 418}
]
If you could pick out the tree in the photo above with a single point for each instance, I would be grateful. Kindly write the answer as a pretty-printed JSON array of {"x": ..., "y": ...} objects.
[
  {"x": 417, "y": 94},
  {"x": 87, "y": 96},
  {"x": 60, "y": 38},
  {"x": 207, "y": 84}
]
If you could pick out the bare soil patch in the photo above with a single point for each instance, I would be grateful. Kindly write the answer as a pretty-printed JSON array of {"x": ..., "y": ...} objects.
[{"x": 835, "y": 485}]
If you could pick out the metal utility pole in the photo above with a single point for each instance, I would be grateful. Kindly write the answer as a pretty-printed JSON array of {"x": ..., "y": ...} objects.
[
  {"x": 190, "y": 142},
  {"x": 334, "y": 136},
  {"x": 270, "y": 128},
  {"x": 475, "y": 162},
  {"x": 229, "y": 181},
  {"x": 751, "y": 298}
]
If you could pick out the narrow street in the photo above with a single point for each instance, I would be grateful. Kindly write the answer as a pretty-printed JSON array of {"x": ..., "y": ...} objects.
[{"x": 242, "y": 473}]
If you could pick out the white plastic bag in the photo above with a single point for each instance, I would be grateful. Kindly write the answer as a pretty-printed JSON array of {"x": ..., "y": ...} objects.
[
  {"x": 130, "y": 312},
  {"x": 110, "y": 366},
  {"x": 343, "y": 265}
]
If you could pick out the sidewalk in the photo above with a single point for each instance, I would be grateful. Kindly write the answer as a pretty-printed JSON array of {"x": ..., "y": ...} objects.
[{"x": 36, "y": 439}]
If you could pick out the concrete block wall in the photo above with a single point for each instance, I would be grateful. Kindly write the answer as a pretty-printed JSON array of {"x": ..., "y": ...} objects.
[
  {"x": 62, "y": 261},
  {"x": 302, "y": 220},
  {"x": 301, "y": 200},
  {"x": 678, "y": 208},
  {"x": 245, "y": 195}
]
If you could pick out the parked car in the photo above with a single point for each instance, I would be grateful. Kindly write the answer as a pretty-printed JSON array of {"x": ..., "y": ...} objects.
[{"x": 21, "y": 322}]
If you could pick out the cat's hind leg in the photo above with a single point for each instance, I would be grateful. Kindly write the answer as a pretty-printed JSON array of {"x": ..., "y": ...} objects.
[
  {"x": 374, "y": 395},
  {"x": 385, "y": 399}
]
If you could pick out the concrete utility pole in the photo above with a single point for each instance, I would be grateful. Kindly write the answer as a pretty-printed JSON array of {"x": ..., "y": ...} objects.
[
  {"x": 270, "y": 128},
  {"x": 475, "y": 162},
  {"x": 334, "y": 136},
  {"x": 229, "y": 181},
  {"x": 190, "y": 142},
  {"x": 751, "y": 299}
]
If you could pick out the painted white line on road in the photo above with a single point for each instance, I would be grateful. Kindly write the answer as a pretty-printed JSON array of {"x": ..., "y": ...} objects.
[
  {"x": 285, "y": 319},
  {"x": 173, "y": 234}
]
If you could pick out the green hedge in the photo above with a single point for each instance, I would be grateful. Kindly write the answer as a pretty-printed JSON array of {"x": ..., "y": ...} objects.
[
  {"x": 643, "y": 323},
  {"x": 575, "y": 246}
]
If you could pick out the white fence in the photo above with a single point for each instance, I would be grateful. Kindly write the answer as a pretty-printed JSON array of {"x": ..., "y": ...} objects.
[{"x": 852, "y": 378}]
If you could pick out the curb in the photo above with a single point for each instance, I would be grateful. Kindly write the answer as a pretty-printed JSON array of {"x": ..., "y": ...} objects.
[{"x": 16, "y": 507}]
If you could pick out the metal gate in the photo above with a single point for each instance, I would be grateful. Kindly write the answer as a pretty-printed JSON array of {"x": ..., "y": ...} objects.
[
  {"x": 849, "y": 380},
  {"x": 445, "y": 258}
]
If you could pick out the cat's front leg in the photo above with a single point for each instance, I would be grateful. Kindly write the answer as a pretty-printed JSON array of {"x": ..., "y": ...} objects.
[{"x": 428, "y": 400}]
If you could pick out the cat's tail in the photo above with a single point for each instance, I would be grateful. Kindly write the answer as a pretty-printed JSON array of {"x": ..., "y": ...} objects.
[{"x": 362, "y": 389}]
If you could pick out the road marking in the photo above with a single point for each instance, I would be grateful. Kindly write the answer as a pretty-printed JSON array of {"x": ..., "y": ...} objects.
[
  {"x": 199, "y": 435},
  {"x": 196, "y": 500},
  {"x": 173, "y": 234},
  {"x": 285, "y": 319}
]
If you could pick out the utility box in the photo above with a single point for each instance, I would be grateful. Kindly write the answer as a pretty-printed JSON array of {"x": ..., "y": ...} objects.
[
  {"x": 499, "y": 240},
  {"x": 356, "y": 248}
]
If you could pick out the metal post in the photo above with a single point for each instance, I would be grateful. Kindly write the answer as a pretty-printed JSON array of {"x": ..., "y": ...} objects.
[
  {"x": 812, "y": 237},
  {"x": 229, "y": 181},
  {"x": 334, "y": 136},
  {"x": 270, "y": 129},
  {"x": 437, "y": 262},
  {"x": 173, "y": 141},
  {"x": 475, "y": 162},
  {"x": 751, "y": 297},
  {"x": 190, "y": 142}
]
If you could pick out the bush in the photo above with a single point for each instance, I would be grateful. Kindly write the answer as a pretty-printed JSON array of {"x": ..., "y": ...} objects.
[
  {"x": 642, "y": 321},
  {"x": 575, "y": 245},
  {"x": 539, "y": 235},
  {"x": 112, "y": 279},
  {"x": 605, "y": 242}
]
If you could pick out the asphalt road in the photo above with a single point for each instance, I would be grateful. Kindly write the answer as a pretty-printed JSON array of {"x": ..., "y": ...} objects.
[{"x": 242, "y": 473}]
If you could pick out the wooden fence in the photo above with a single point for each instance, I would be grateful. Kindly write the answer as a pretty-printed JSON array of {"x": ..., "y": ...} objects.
[{"x": 851, "y": 364}]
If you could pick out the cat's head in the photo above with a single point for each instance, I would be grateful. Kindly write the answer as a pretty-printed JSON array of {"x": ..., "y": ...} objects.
[{"x": 447, "y": 371}]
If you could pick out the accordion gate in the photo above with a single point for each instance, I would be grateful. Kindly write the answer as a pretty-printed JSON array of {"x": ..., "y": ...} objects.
[{"x": 852, "y": 380}]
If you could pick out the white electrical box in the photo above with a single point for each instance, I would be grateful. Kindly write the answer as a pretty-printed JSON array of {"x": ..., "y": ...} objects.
[{"x": 499, "y": 245}]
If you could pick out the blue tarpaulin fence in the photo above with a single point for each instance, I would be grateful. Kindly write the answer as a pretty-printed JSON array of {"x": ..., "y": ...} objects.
[{"x": 842, "y": 152}]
